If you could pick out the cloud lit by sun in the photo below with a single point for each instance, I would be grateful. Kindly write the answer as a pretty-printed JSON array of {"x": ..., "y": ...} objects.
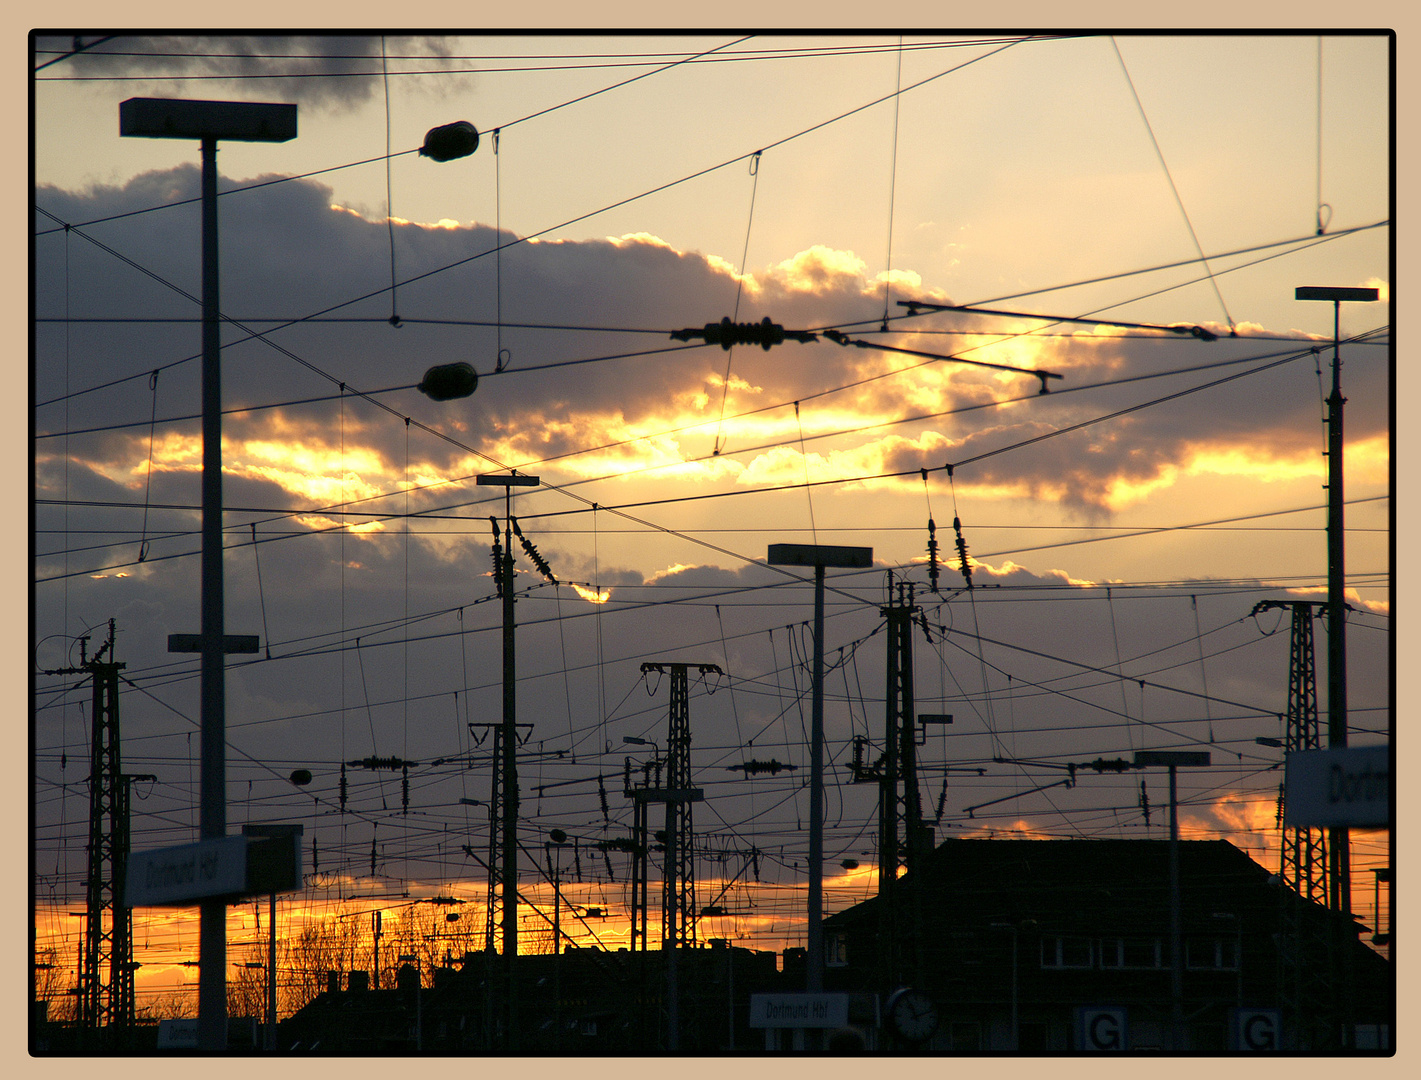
[{"x": 592, "y": 596}]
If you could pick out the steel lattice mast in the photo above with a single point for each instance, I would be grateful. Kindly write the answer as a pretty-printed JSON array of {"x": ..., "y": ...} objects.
[
  {"x": 106, "y": 960},
  {"x": 1303, "y": 854},
  {"x": 106, "y": 939},
  {"x": 678, "y": 898}
]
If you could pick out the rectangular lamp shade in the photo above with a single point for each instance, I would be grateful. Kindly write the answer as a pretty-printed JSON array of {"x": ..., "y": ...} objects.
[
  {"x": 819, "y": 555},
  {"x": 178, "y": 118},
  {"x": 1323, "y": 292}
]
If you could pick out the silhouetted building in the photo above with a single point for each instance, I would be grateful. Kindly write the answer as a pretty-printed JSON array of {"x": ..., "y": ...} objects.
[
  {"x": 1040, "y": 946},
  {"x": 1073, "y": 937}
]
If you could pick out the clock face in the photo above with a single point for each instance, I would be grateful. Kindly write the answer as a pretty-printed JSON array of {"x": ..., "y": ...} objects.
[{"x": 912, "y": 1014}]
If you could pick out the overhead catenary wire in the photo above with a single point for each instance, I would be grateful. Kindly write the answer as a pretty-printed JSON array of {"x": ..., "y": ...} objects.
[
  {"x": 324, "y": 317},
  {"x": 1139, "y": 105},
  {"x": 739, "y": 290},
  {"x": 808, "y": 484},
  {"x": 413, "y": 844}
]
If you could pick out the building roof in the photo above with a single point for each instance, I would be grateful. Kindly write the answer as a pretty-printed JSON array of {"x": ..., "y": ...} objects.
[{"x": 1084, "y": 885}]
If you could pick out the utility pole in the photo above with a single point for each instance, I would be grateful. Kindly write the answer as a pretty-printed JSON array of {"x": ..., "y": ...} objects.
[
  {"x": 903, "y": 839},
  {"x": 1303, "y": 859},
  {"x": 508, "y": 869},
  {"x": 106, "y": 955},
  {"x": 678, "y": 897},
  {"x": 495, "y": 803},
  {"x": 640, "y": 844},
  {"x": 105, "y": 946},
  {"x": 640, "y": 838},
  {"x": 1308, "y": 965},
  {"x": 556, "y": 839}
]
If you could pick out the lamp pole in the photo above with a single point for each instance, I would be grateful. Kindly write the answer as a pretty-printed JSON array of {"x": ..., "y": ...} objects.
[
  {"x": 818, "y": 556},
  {"x": 1173, "y": 759},
  {"x": 209, "y": 121},
  {"x": 1339, "y": 857}
]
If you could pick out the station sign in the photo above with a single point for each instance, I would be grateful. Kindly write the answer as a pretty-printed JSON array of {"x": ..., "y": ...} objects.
[
  {"x": 1102, "y": 1028},
  {"x": 799, "y": 1010},
  {"x": 265, "y": 860},
  {"x": 1255, "y": 1030},
  {"x": 179, "y": 1034},
  {"x": 1350, "y": 786},
  {"x": 177, "y": 875}
]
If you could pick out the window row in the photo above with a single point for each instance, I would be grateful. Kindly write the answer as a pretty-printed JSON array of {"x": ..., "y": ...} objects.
[{"x": 1136, "y": 953}]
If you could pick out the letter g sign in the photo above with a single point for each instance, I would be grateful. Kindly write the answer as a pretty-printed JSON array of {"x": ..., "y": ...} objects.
[
  {"x": 1256, "y": 1029},
  {"x": 1100, "y": 1028}
]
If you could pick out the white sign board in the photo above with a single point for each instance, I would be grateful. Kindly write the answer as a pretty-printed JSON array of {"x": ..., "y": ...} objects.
[
  {"x": 179, "y": 875},
  {"x": 799, "y": 1010},
  {"x": 1346, "y": 787}
]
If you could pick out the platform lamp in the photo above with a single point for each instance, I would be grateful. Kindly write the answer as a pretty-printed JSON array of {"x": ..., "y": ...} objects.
[
  {"x": 209, "y": 121},
  {"x": 818, "y": 556},
  {"x": 1339, "y": 858},
  {"x": 1173, "y": 759}
]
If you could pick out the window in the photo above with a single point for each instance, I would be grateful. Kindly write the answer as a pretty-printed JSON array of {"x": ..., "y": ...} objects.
[
  {"x": 836, "y": 950},
  {"x": 1066, "y": 952},
  {"x": 1131, "y": 953},
  {"x": 1211, "y": 954}
]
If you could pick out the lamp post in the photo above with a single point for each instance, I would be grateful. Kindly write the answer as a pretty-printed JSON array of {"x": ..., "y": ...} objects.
[
  {"x": 1339, "y": 857},
  {"x": 1173, "y": 759},
  {"x": 818, "y": 556},
  {"x": 208, "y": 121},
  {"x": 292, "y": 835}
]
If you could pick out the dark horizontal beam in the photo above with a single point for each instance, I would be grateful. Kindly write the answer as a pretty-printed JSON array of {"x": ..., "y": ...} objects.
[
  {"x": 1323, "y": 292},
  {"x": 819, "y": 555},
  {"x": 176, "y": 118}
]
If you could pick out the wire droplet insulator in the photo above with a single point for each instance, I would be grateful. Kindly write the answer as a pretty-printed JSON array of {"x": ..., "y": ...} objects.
[
  {"x": 932, "y": 555},
  {"x": 963, "y": 564}
]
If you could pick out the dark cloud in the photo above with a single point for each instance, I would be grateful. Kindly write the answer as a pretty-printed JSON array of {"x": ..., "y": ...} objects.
[
  {"x": 390, "y": 642},
  {"x": 288, "y": 256},
  {"x": 333, "y": 72}
]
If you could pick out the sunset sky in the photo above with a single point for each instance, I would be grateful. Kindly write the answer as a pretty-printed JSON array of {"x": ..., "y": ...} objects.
[{"x": 1122, "y": 527}]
